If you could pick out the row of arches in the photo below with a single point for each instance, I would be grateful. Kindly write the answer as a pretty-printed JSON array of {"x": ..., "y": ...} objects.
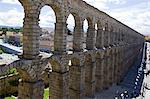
[
  {"x": 59, "y": 76},
  {"x": 49, "y": 16},
  {"x": 80, "y": 39},
  {"x": 85, "y": 31},
  {"x": 72, "y": 22},
  {"x": 87, "y": 72}
]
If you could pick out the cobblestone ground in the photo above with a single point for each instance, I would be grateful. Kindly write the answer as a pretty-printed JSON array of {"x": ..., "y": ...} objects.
[{"x": 130, "y": 87}]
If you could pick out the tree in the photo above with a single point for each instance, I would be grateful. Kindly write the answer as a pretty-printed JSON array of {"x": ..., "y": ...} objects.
[
  {"x": 4, "y": 29},
  {"x": 1, "y": 51}
]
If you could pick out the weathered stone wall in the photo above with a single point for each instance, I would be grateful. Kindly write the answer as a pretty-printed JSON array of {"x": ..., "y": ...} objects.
[
  {"x": 11, "y": 82},
  {"x": 94, "y": 68},
  {"x": 8, "y": 84}
]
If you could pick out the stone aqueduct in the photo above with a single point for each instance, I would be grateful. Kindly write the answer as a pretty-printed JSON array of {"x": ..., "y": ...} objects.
[{"x": 103, "y": 63}]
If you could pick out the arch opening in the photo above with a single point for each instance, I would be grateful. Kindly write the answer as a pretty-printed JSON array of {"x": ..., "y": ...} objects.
[
  {"x": 75, "y": 25},
  {"x": 70, "y": 32},
  {"x": 95, "y": 36},
  {"x": 85, "y": 30},
  {"x": 47, "y": 25},
  {"x": 89, "y": 34}
]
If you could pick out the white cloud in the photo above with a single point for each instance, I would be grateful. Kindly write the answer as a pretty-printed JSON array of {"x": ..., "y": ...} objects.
[
  {"x": 47, "y": 17},
  {"x": 137, "y": 17},
  {"x": 117, "y": 1},
  {"x": 100, "y": 4},
  {"x": 10, "y": 1},
  {"x": 11, "y": 18},
  {"x": 47, "y": 21},
  {"x": 103, "y": 4},
  {"x": 70, "y": 22}
]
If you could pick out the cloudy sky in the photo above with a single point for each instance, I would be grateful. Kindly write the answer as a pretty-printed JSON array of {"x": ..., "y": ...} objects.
[{"x": 134, "y": 13}]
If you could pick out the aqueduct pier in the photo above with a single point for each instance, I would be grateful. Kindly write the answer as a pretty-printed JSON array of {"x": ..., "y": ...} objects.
[{"x": 110, "y": 51}]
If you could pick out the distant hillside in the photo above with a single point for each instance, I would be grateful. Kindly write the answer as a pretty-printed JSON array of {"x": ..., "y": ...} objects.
[
  {"x": 16, "y": 27},
  {"x": 19, "y": 29}
]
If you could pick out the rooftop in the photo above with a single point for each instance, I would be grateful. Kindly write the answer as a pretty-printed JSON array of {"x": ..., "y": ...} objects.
[{"x": 7, "y": 58}]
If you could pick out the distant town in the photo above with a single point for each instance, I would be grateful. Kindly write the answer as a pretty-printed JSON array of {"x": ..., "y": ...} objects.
[
  {"x": 11, "y": 42},
  {"x": 14, "y": 36}
]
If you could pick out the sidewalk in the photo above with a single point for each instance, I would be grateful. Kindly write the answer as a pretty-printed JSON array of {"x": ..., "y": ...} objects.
[
  {"x": 147, "y": 88},
  {"x": 146, "y": 83}
]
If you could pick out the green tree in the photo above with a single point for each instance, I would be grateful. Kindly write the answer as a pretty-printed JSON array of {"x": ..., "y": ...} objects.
[{"x": 1, "y": 51}]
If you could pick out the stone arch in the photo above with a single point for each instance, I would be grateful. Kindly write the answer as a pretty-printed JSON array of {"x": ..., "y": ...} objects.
[
  {"x": 47, "y": 25},
  {"x": 77, "y": 17},
  {"x": 78, "y": 30},
  {"x": 100, "y": 34},
  {"x": 24, "y": 75},
  {"x": 90, "y": 21},
  {"x": 90, "y": 35},
  {"x": 18, "y": 65},
  {"x": 58, "y": 15},
  {"x": 55, "y": 64},
  {"x": 31, "y": 29},
  {"x": 57, "y": 10},
  {"x": 28, "y": 82},
  {"x": 30, "y": 86},
  {"x": 60, "y": 25}
]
